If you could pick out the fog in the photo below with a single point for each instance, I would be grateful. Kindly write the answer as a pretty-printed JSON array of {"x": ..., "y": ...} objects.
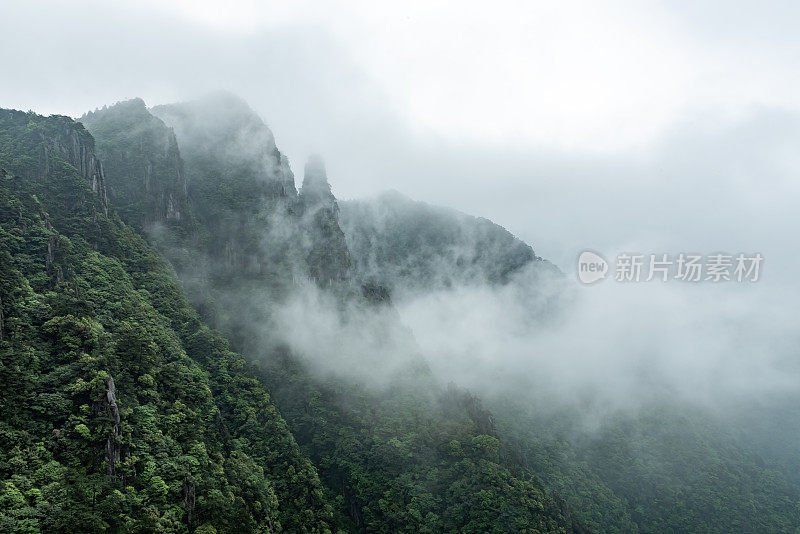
[{"x": 615, "y": 129}]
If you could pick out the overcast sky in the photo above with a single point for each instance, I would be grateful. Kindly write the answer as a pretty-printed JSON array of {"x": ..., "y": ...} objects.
[{"x": 664, "y": 126}]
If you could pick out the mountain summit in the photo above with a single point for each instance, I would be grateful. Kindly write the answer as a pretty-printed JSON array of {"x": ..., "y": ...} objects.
[
  {"x": 316, "y": 187},
  {"x": 328, "y": 257}
]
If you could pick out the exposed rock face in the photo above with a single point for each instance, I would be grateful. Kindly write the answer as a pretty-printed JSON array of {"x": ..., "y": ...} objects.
[
  {"x": 55, "y": 140},
  {"x": 316, "y": 189},
  {"x": 73, "y": 143},
  {"x": 113, "y": 453},
  {"x": 241, "y": 189},
  {"x": 144, "y": 170},
  {"x": 328, "y": 258},
  {"x": 189, "y": 501},
  {"x": 223, "y": 128}
]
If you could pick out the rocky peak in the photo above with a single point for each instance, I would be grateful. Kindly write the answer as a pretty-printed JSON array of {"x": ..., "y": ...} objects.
[
  {"x": 328, "y": 258},
  {"x": 316, "y": 189},
  {"x": 144, "y": 168},
  {"x": 222, "y": 128},
  {"x": 134, "y": 108},
  {"x": 59, "y": 136}
]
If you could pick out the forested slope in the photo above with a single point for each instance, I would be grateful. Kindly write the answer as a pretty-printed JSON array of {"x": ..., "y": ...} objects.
[
  {"x": 121, "y": 411},
  {"x": 411, "y": 457}
]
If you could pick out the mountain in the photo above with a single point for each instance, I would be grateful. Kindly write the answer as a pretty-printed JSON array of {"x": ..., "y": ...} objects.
[
  {"x": 252, "y": 220},
  {"x": 403, "y": 455},
  {"x": 413, "y": 246},
  {"x": 121, "y": 411},
  {"x": 241, "y": 191}
]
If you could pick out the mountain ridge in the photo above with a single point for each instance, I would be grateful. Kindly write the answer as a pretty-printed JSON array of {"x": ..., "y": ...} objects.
[{"x": 344, "y": 427}]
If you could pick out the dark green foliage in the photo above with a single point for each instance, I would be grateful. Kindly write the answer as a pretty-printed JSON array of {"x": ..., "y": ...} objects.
[
  {"x": 414, "y": 458},
  {"x": 666, "y": 469},
  {"x": 120, "y": 410}
]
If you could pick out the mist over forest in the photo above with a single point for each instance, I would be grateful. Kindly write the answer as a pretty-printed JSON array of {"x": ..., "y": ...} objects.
[{"x": 316, "y": 269}]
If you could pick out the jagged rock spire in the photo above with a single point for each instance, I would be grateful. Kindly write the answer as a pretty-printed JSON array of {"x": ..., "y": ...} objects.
[
  {"x": 328, "y": 258},
  {"x": 316, "y": 188}
]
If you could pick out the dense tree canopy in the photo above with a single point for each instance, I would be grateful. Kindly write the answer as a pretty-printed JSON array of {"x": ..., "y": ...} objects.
[{"x": 121, "y": 410}]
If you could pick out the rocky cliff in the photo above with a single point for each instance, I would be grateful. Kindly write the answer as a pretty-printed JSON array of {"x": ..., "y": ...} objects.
[
  {"x": 410, "y": 458},
  {"x": 328, "y": 258},
  {"x": 221, "y": 128},
  {"x": 144, "y": 170},
  {"x": 243, "y": 193},
  {"x": 48, "y": 143}
]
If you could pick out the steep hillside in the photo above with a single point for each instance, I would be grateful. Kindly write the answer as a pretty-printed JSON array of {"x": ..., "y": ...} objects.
[
  {"x": 120, "y": 410},
  {"x": 404, "y": 456},
  {"x": 665, "y": 468}
]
